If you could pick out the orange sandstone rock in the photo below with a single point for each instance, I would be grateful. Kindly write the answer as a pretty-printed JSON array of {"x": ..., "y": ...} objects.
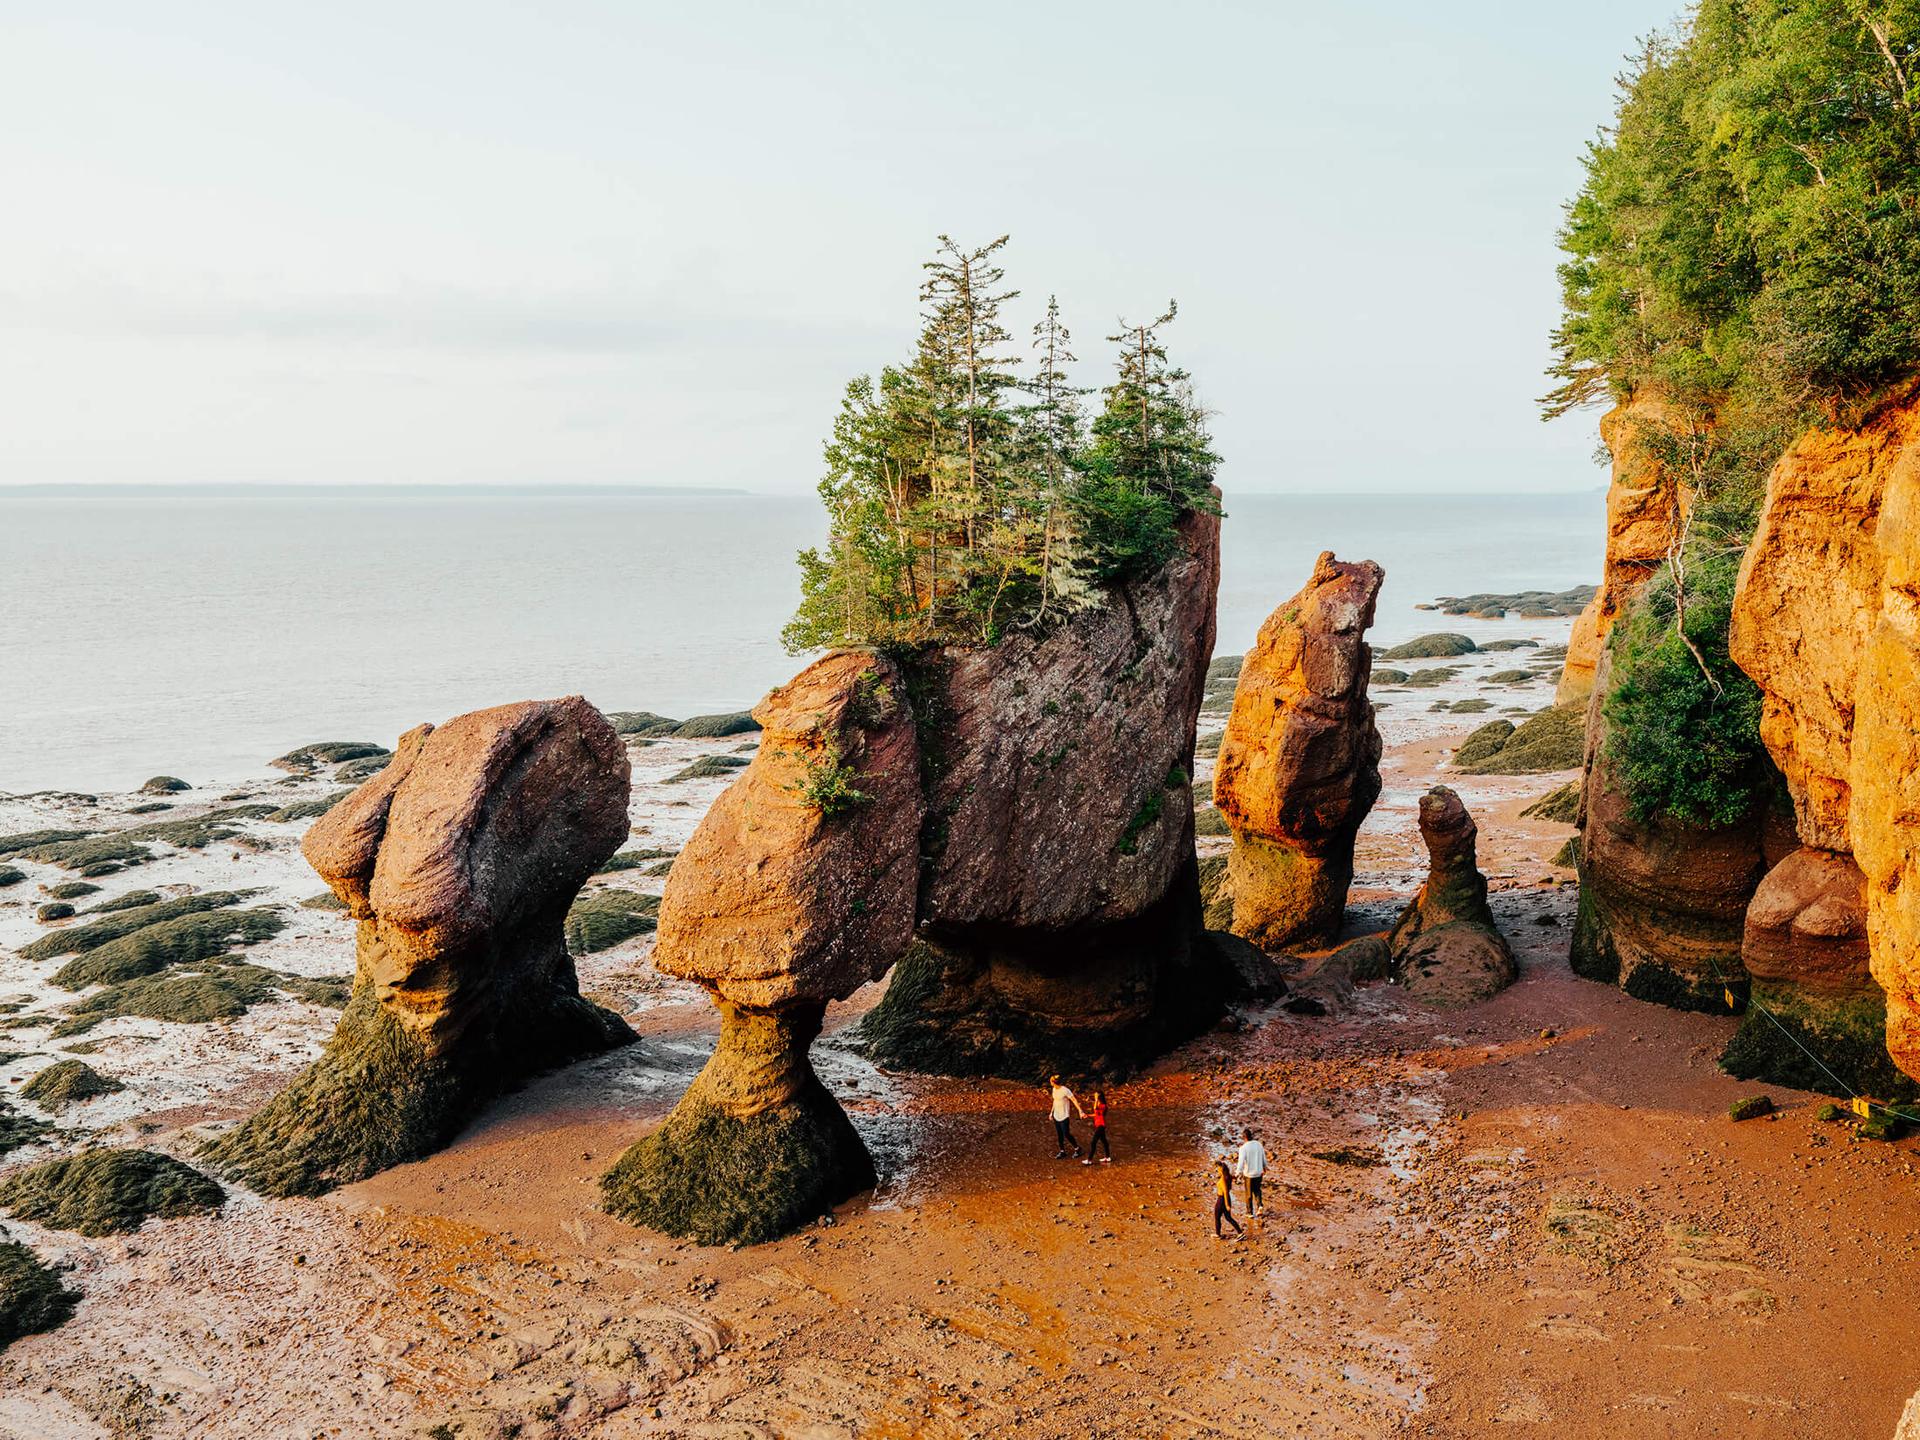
[
  {"x": 1445, "y": 948},
  {"x": 1646, "y": 505},
  {"x": 459, "y": 862},
  {"x": 1298, "y": 768}
]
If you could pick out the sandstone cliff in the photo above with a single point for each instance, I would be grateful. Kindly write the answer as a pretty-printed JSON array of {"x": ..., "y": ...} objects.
[
  {"x": 458, "y": 861},
  {"x": 798, "y": 887},
  {"x": 1299, "y": 765},
  {"x": 1810, "y": 600},
  {"x": 1645, "y": 508}
]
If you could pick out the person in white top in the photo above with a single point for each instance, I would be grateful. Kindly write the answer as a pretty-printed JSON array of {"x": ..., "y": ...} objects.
[
  {"x": 1065, "y": 1106},
  {"x": 1251, "y": 1165}
]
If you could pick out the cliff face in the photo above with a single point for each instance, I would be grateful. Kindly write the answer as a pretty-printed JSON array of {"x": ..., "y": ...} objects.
[
  {"x": 1645, "y": 509},
  {"x": 1299, "y": 765},
  {"x": 1810, "y": 599},
  {"x": 1884, "y": 777},
  {"x": 1059, "y": 901}
]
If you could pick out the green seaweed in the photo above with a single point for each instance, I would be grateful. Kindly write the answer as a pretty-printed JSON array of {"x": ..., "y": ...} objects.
[
  {"x": 179, "y": 941},
  {"x": 1209, "y": 821},
  {"x": 17, "y": 1129},
  {"x": 1509, "y": 677},
  {"x": 641, "y": 723},
  {"x": 714, "y": 727},
  {"x": 708, "y": 767},
  {"x": 189, "y": 995},
  {"x": 1561, "y": 805},
  {"x": 78, "y": 939},
  {"x": 602, "y": 918},
  {"x": 330, "y": 752},
  {"x": 1429, "y": 647},
  {"x": 325, "y": 900},
  {"x": 634, "y": 860},
  {"x": 67, "y": 1081},
  {"x": 108, "y": 1192},
  {"x": 73, "y": 890},
  {"x": 11, "y": 875},
  {"x": 1551, "y": 739},
  {"x": 33, "y": 1298},
  {"x": 365, "y": 768},
  {"x": 307, "y": 809},
  {"x": 56, "y": 910},
  {"x": 164, "y": 785},
  {"x": 1483, "y": 742},
  {"x": 25, "y": 840},
  {"x": 132, "y": 900}
]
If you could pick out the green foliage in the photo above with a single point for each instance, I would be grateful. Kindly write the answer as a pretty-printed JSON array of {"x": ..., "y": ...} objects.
[
  {"x": 964, "y": 502},
  {"x": 32, "y": 1296},
  {"x": 1749, "y": 230},
  {"x": 828, "y": 783},
  {"x": 108, "y": 1192},
  {"x": 1683, "y": 721}
]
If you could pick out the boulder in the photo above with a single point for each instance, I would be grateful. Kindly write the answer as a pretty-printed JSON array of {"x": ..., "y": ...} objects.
[
  {"x": 798, "y": 887},
  {"x": 1646, "y": 505},
  {"x": 458, "y": 861},
  {"x": 1298, "y": 768},
  {"x": 1445, "y": 949},
  {"x": 1059, "y": 901}
]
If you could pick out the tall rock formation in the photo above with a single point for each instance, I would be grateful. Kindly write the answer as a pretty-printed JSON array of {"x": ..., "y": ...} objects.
[
  {"x": 1883, "y": 810},
  {"x": 1445, "y": 948},
  {"x": 1646, "y": 506},
  {"x": 1059, "y": 902},
  {"x": 798, "y": 887},
  {"x": 1809, "y": 600},
  {"x": 1299, "y": 765},
  {"x": 458, "y": 861}
]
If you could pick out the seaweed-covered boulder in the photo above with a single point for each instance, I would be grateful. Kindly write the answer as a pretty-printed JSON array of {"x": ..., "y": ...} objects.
[
  {"x": 797, "y": 888},
  {"x": 1805, "y": 954},
  {"x": 164, "y": 785},
  {"x": 1430, "y": 647},
  {"x": 33, "y": 1298},
  {"x": 1059, "y": 901},
  {"x": 1445, "y": 948},
  {"x": 1299, "y": 767},
  {"x": 107, "y": 1191},
  {"x": 66, "y": 1081},
  {"x": 459, "y": 861},
  {"x": 1551, "y": 739}
]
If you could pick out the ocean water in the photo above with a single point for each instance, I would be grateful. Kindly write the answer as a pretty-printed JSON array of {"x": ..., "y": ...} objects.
[{"x": 202, "y": 634}]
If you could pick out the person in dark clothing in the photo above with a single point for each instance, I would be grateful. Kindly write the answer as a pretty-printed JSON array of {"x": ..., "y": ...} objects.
[
  {"x": 1222, "y": 1199},
  {"x": 1099, "y": 1141}
]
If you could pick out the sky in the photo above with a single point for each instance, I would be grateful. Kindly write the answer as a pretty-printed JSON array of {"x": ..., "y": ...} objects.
[{"x": 647, "y": 244}]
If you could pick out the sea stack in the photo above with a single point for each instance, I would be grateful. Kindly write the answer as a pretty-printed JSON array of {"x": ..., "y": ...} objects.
[
  {"x": 797, "y": 888},
  {"x": 458, "y": 861},
  {"x": 1445, "y": 948},
  {"x": 1299, "y": 765},
  {"x": 1059, "y": 903}
]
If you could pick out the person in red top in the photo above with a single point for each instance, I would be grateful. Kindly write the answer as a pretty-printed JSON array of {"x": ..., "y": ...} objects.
[{"x": 1099, "y": 1141}]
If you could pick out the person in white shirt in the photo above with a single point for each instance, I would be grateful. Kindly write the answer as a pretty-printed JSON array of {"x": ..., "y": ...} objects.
[
  {"x": 1251, "y": 1165},
  {"x": 1065, "y": 1107}
]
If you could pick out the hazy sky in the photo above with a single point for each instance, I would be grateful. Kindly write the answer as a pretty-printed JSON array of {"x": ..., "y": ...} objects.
[{"x": 648, "y": 243}]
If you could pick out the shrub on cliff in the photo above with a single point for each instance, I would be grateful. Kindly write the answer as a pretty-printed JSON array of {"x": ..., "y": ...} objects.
[
  {"x": 963, "y": 502},
  {"x": 1683, "y": 721}
]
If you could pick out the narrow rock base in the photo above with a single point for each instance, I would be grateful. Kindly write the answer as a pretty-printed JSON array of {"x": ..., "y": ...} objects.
[
  {"x": 756, "y": 1148},
  {"x": 377, "y": 1098},
  {"x": 1285, "y": 897}
]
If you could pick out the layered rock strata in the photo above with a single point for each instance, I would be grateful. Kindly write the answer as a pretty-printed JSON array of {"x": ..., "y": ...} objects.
[
  {"x": 458, "y": 862},
  {"x": 1059, "y": 907},
  {"x": 798, "y": 887},
  {"x": 1299, "y": 765},
  {"x": 1445, "y": 949}
]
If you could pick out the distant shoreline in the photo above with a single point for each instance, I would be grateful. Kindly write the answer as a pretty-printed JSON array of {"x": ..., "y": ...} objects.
[{"x": 245, "y": 491}]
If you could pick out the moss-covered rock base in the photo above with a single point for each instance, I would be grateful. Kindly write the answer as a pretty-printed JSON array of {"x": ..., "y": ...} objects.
[
  {"x": 755, "y": 1148},
  {"x": 32, "y": 1297},
  {"x": 377, "y": 1097},
  {"x": 107, "y": 1192},
  {"x": 1830, "y": 1044}
]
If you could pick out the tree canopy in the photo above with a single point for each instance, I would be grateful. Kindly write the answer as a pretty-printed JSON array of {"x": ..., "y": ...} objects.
[{"x": 964, "y": 499}]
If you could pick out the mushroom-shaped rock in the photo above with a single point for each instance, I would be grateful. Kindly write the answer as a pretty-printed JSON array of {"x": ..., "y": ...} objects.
[
  {"x": 1059, "y": 909},
  {"x": 458, "y": 862},
  {"x": 1299, "y": 765},
  {"x": 1445, "y": 947},
  {"x": 797, "y": 889}
]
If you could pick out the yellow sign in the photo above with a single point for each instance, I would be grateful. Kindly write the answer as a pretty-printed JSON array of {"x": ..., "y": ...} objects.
[
  {"x": 1863, "y": 1107},
  {"x": 1732, "y": 1004}
]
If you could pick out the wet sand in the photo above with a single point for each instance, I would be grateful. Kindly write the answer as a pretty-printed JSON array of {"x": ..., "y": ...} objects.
[{"x": 1531, "y": 1217}]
